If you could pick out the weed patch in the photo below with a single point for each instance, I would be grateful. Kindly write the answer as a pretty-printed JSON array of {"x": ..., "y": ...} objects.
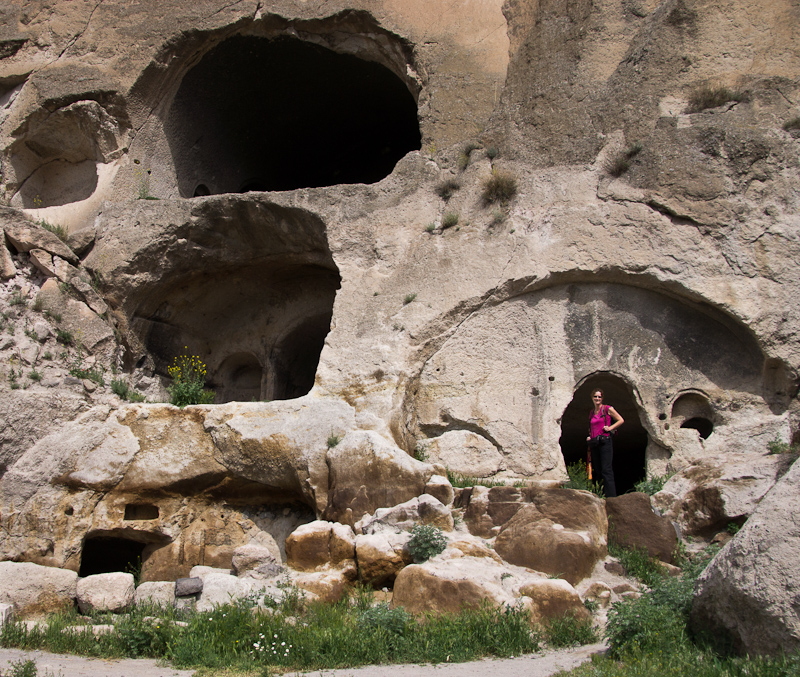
[
  {"x": 122, "y": 390},
  {"x": 500, "y": 187},
  {"x": 447, "y": 188},
  {"x": 458, "y": 480},
  {"x": 188, "y": 373},
  {"x": 449, "y": 220},
  {"x": 569, "y": 631},
  {"x": 426, "y": 542},
  {"x": 333, "y": 440},
  {"x": 59, "y": 231},
  {"x": 408, "y": 298},
  {"x": 712, "y": 97},
  {"x": 579, "y": 479},
  {"x": 620, "y": 163},
  {"x": 651, "y": 485},
  {"x": 464, "y": 156}
]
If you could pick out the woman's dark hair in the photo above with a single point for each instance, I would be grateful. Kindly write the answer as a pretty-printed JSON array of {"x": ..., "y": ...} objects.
[{"x": 598, "y": 390}]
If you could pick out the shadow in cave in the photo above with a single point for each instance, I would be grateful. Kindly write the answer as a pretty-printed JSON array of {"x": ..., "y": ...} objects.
[
  {"x": 105, "y": 554},
  {"x": 630, "y": 443},
  {"x": 280, "y": 114}
]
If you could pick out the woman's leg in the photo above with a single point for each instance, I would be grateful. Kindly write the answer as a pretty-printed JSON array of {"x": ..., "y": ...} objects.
[{"x": 605, "y": 451}]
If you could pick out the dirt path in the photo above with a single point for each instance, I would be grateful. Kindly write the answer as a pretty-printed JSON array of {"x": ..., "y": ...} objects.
[{"x": 534, "y": 665}]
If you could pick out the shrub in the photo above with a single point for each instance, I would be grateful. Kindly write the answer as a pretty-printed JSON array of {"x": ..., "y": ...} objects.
[
  {"x": 92, "y": 374},
  {"x": 464, "y": 157},
  {"x": 395, "y": 621},
  {"x": 776, "y": 446},
  {"x": 409, "y": 298},
  {"x": 499, "y": 187},
  {"x": 35, "y": 375},
  {"x": 121, "y": 388},
  {"x": 579, "y": 479},
  {"x": 458, "y": 480},
  {"x": 446, "y": 189},
  {"x": 64, "y": 337},
  {"x": 636, "y": 561},
  {"x": 426, "y": 542},
  {"x": 569, "y": 631},
  {"x": 492, "y": 152},
  {"x": 449, "y": 220},
  {"x": 333, "y": 440},
  {"x": 651, "y": 485},
  {"x": 712, "y": 97},
  {"x": 188, "y": 373},
  {"x": 430, "y": 227},
  {"x": 17, "y": 299},
  {"x": 22, "y": 668},
  {"x": 620, "y": 163},
  {"x": 59, "y": 231}
]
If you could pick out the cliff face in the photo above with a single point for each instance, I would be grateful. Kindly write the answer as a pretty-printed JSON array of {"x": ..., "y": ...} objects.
[{"x": 323, "y": 230}]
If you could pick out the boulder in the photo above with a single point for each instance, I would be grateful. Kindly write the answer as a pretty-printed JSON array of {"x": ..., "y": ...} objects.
[
  {"x": 440, "y": 488},
  {"x": 706, "y": 496},
  {"x": 381, "y": 556},
  {"x": 112, "y": 592},
  {"x": 25, "y": 236},
  {"x": 36, "y": 589},
  {"x": 219, "y": 589},
  {"x": 747, "y": 596},
  {"x": 184, "y": 587},
  {"x": 7, "y": 267},
  {"x": 6, "y": 614},
  {"x": 464, "y": 452},
  {"x": 533, "y": 540},
  {"x": 423, "y": 509},
  {"x": 157, "y": 593},
  {"x": 553, "y": 598},
  {"x": 633, "y": 524},
  {"x": 328, "y": 586},
  {"x": 320, "y": 544},
  {"x": 367, "y": 473},
  {"x": 247, "y": 558}
]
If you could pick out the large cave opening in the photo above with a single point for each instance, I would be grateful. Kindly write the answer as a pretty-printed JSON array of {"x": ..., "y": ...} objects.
[
  {"x": 106, "y": 554},
  {"x": 630, "y": 442},
  {"x": 282, "y": 113}
]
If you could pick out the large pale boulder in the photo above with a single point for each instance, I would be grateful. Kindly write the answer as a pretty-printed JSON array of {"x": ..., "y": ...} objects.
[
  {"x": 329, "y": 586},
  {"x": 25, "y": 236},
  {"x": 112, "y": 592},
  {"x": 251, "y": 558},
  {"x": 381, "y": 556},
  {"x": 747, "y": 596},
  {"x": 632, "y": 523},
  {"x": 713, "y": 491},
  {"x": 320, "y": 544},
  {"x": 367, "y": 473},
  {"x": 464, "y": 452},
  {"x": 423, "y": 509},
  {"x": 553, "y": 598},
  {"x": 157, "y": 593},
  {"x": 35, "y": 589}
]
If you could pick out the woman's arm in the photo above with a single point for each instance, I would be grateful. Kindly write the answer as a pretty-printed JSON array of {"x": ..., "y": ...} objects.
[{"x": 618, "y": 420}]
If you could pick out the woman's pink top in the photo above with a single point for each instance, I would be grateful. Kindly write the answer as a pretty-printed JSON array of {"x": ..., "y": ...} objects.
[{"x": 598, "y": 420}]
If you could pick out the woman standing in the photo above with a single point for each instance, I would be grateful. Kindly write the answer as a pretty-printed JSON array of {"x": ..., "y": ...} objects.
[{"x": 600, "y": 431}]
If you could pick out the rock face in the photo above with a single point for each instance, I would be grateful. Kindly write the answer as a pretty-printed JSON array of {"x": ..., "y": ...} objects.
[
  {"x": 633, "y": 524},
  {"x": 747, "y": 595},
  {"x": 643, "y": 244}
]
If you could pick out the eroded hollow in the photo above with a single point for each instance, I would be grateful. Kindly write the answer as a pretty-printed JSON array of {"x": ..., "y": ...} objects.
[
  {"x": 693, "y": 410},
  {"x": 278, "y": 114},
  {"x": 105, "y": 554},
  {"x": 256, "y": 311},
  {"x": 630, "y": 442}
]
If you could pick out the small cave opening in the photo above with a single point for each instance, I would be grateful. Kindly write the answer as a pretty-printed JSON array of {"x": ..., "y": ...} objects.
[
  {"x": 630, "y": 442},
  {"x": 141, "y": 511},
  {"x": 694, "y": 411},
  {"x": 239, "y": 378},
  {"x": 296, "y": 358},
  {"x": 259, "y": 114},
  {"x": 106, "y": 554}
]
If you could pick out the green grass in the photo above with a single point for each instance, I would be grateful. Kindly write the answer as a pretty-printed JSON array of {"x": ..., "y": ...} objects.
[
  {"x": 620, "y": 163},
  {"x": 636, "y": 562},
  {"x": 92, "y": 373},
  {"x": 458, "y": 480},
  {"x": 121, "y": 388},
  {"x": 569, "y": 631},
  {"x": 579, "y": 479},
  {"x": 59, "y": 231},
  {"x": 447, "y": 188},
  {"x": 449, "y": 220},
  {"x": 651, "y": 485},
  {"x": 464, "y": 156},
  {"x": 64, "y": 337},
  {"x": 324, "y": 636},
  {"x": 333, "y": 440}
]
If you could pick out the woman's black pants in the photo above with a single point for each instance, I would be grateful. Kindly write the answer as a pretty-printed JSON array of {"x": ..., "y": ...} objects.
[{"x": 602, "y": 460}]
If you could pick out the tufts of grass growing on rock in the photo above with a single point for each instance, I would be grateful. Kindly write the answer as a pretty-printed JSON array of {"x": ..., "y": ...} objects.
[
  {"x": 500, "y": 187},
  {"x": 449, "y": 220},
  {"x": 652, "y": 484},
  {"x": 409, "y": 298},
  {"x": 58, "y": 230},
  {"x": 704, "y": 98},
  {"x": 333, "y": 440},
  {"x": 579, "y": 479},
  {"x": 458, "y": 480},
  {"x": 122, "y": 389},
  {"x": 620, "y": 163},
  {"x": 447, "y": 188},
  {"x": 464, "y": 156}
]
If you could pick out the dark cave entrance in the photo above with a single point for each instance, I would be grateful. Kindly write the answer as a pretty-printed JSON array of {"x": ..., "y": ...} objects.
[
  {"x": 105, "y": 554},
  {"x": 280, "y": 114},
  {"x": 296, "y": 358},
  {"x": 630, "y": 443}
]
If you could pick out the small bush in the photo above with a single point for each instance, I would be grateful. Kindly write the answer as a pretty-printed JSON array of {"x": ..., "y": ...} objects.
[
  {"x": 458, "y": 480},
  {"x": 426, "y": 542},
  {"x": 121, "y": 388},
  {"x": 430, "y": 227},
  {"x": 449, "y": 220},
  {"x": 464, "y": 157},
  {"x": 59, "y": 231},
  {"x": 492, "y": 152},
  {"x": 651, "y": 485},
  {"x": 776, "y": 446},
  {"x": 188, "y": 373},
  {"x": 579, "y": 479},
  {"x": 56, "y": 317},
  {"x": 499, "y": 187},
  {"x": 380, "y": 616},
  {"x": 733, "y": 528},
  {"x": 333, "y": 440},
  {"x": 92, "y": 374},
  {"x": 620, "y": 163},
  {"x": 35, "y": 376},
  {"x": 409, "y": 298},
  {"x": 712, "y": 97},
  {"x": 569, "y": 631},
  {"x": 22, "y": 668},
  {"x": 38, "y": 304},
  {"x": 636, "y": 562},
  {"x": 64, "y": 337},
  {"x": 446, "y": 189},
  {"x": 17, "y": 299}
]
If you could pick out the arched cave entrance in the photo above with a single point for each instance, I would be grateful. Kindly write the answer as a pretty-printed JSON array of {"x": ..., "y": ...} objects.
[
  {"x": 283, "y": 113},
  {"x": 296, "y": 357},
  {"x": 693, "y": 410},
  {"x": 105, "y": 554},
  {"x": 630, "y": 443}
]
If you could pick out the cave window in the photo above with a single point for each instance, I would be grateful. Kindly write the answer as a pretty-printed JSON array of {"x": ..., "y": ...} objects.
[
  {"x": 292, "y": 113},
  {"x": 141, "y": 511},
  {"x": 694, "y": 411},
  {"x": 201, "y": 190},
  {"x": 630, "y": 442},
  {"x": 296, "y": 358},
  {"x": 103, "y": 555}
]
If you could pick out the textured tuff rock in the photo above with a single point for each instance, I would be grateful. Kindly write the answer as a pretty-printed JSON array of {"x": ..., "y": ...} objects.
[
  {"x": 381, "y": 556},
  {"x": 746, "y": 597},
  {"x": 712, "y": 492},
  {"x": 112, "y": 592},
  {"x": 34, "y": 589},
  {"x": 319, "y": 545},
  {"x": 633, "y": 524},
  {"x": 157, "y": 593},
  {"x": 403, "y": 517}
]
